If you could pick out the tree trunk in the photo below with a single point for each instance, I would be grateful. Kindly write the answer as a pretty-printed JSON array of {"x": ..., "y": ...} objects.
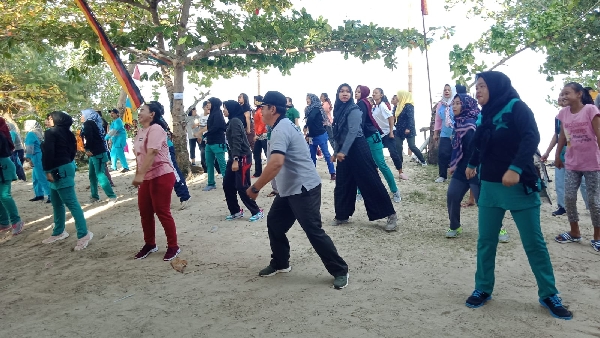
[
  {"x": 432, "y": 147},
  {"x": 179, "y": 123}
]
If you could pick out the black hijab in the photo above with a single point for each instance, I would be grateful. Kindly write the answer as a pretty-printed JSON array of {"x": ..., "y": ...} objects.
[
  {"x": 216, "y": 115},
  {"x": 62, "y": 132},
  {"x": 235, "y": 110},
  {"x": 501, "y": 93},
  {"x": 341, "y": 110}
]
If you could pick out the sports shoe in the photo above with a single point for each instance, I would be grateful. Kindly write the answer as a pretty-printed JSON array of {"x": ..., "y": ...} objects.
[
  {"x": 341, "y": 282},
  {"x": 83, "y": 242},
  {"x": 557, "y": 310},
  {"x": 124, "y": 170},
  {"x": 17, "y": 228},
  {"x": 146, "y": 250},
  {"x": 271, "y": 271},
  {"x": 359, "y": 198},
  {"x": 596, "y": 245},
  {"x": 5, "y": 228},
  {"x": 257, "y": 217},
  {"x": 171, "y": 253},
  {"x": 391, "y": 223},
  {"x": 113, "y": 201},
  {"x": 503, "y": 236},
  {"x": 337, "y": 222},
  {"x": 209, "y": 188},
  {"x": 56, "y": 238},
  {"x": 93, "y": 200},
  {"x": 424, "y": 164},
  {"x": 440, "y": 180},
  {"x": 396, "y": 196},
  {"x": 37, "y": 198},
  {"x": 453, "y": 233},
  {"x": 48, "y": 201},
  {"x": 240, "y": 214},
  {"x": 477, "y": 299},
  {"x": 184, "y": 204},
  {"x": 559, "y": 212}
]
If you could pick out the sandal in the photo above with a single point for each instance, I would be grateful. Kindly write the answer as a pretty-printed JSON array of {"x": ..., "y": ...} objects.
[
  {"x": 565, "y": 237},
  {"x": 596, "y": 245},
  {"x": 272, "y": 194}
]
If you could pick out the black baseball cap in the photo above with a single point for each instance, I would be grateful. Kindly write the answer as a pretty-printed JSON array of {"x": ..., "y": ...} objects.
[{"x": 274, "y": 98}]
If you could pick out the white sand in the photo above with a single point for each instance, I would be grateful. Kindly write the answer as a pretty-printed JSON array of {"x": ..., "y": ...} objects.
[{"x": 410, "y": 283}]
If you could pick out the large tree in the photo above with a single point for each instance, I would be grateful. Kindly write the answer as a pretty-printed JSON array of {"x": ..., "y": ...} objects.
[
  {"x": 213, "y": 38},
  {"x": 567, "y": 31}
]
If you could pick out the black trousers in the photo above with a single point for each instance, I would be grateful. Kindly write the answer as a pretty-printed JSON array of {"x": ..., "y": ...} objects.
[
  {"x": 411, "y": 145},
  {"x": 236, "y": 183},
  {"x": 390, "y": 144},
  {"x": 444, "y": 155},
  {"x": 203, "y": 158},
  {"x": 306, "y": 209},
  {"x": 192, "y": 142},
  {"x": 358, "y": 170},
  {"x": 457, "y": 190},
  {"x": 260, "y": 146}
]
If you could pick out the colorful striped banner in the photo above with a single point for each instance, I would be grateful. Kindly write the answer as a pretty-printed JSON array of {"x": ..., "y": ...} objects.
[{"x": 112, "y": 58}]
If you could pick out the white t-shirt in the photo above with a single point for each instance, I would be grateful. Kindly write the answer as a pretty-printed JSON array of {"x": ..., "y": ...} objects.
[{"x": 381, "y": 113}]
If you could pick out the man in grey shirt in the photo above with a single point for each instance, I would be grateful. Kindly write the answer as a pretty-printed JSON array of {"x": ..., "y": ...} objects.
[{"x": 299, "y": 198}]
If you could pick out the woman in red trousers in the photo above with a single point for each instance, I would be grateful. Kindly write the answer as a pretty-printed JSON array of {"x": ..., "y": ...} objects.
[{"x": 154, "y": 175}]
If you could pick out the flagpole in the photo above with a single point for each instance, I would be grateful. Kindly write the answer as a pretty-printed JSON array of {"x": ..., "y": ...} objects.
[{"x": 427, "y": 58}]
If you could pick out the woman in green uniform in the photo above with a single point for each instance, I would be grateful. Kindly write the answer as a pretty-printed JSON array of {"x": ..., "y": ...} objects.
[
  {"x": 504, "y": 146},
  {"x": 9, "y": 215}
]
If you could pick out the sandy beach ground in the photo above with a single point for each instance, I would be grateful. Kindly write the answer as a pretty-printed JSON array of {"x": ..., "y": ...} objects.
[{"x": 411, "y": 283}]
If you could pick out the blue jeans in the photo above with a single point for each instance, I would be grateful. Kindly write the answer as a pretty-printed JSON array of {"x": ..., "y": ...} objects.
[
  {"x": 559, "y": 183},
  {"x": 321, "y": 141}
]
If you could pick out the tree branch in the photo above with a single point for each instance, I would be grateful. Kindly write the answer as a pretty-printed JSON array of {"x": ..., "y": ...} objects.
[
  {"x": 183, "y": 21},
  {"x": 134, "y": 3},
  {"x": 307, "y": 49},
  {"x": 198, "y": 99},
  {"x": 503, "y": 61},
  {"x": 203, "y": 51}
]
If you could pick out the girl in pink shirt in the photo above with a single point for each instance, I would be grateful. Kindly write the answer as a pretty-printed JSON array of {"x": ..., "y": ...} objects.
[
  {"x": 580, "y": 131},
  {"x": 154, "y": 176}
]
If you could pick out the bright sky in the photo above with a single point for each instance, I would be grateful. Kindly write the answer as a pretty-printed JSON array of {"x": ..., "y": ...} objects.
[{"x": 327, "y": 71}]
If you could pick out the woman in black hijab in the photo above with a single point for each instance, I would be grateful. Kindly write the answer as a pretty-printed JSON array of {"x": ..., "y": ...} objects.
[
  {"x": 237, "y": 176},
  {"x": 215, "y": 141},
  {"x": 504, "y": 146},
  {"x": 59, "y": 150},
  {"x": 356, "y": 167}
]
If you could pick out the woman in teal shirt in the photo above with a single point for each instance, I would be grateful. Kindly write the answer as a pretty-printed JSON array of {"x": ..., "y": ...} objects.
[
  {"x": 118, "y": 139},
  {"x": 33, "y": 152}
]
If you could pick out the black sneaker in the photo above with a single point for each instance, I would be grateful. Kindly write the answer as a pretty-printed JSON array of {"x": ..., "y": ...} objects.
[
  {"x": 559, "y": 212},
  {"x": 340, "y": 282},
  {"x": 477, "y": 299},
  {"x": 557, "y": 310},
  {"x": 271, "y": 271}
]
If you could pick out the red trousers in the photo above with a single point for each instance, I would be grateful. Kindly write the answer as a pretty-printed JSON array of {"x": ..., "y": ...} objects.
[{"x": 154, "y": 197}]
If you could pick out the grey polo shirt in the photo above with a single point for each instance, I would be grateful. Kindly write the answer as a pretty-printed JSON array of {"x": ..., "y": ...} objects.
[{"x": 298, "y": 168}]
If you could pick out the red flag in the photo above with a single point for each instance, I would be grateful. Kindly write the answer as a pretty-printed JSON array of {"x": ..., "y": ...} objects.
[
  {"x": 424, "y": 7},
  {"x": 136, "y": 73}
]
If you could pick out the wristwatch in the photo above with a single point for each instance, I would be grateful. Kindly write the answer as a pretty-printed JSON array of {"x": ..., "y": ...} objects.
[{"x": 254, "y": 190}]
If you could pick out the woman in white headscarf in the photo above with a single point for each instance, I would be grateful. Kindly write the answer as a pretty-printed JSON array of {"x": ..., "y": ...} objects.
[
  {"x": 33, "y": 154},
  {"x": 443, "y": 131}
]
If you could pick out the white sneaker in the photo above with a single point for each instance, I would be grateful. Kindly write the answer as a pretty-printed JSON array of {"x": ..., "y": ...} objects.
[
  {"x": 424, "y": 164},
  {"x": 83, "y": 242},
  {"x": 397, "y": 197},
  {"x": 184, "y": 204},
  {"x": 112, "y": 201},
  {"x": 440, "y": 180},
  {"x": 57, "y": 238}
]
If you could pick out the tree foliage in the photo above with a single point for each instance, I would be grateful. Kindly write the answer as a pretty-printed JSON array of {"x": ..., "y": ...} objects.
[{"x": 567, "y": 31}]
